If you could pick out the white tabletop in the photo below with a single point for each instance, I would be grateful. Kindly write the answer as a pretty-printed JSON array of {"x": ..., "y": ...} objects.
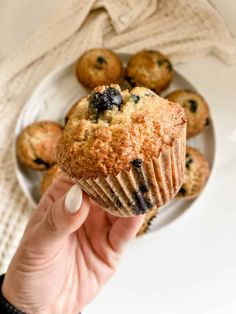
[{"x": 188, "y": 266}]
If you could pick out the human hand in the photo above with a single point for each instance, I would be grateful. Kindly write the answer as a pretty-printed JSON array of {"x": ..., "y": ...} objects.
[{"x": 65, "y": 258}]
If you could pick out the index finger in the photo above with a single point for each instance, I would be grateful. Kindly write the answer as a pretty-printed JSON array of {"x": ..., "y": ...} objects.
[{"x": 59, "y": 188}]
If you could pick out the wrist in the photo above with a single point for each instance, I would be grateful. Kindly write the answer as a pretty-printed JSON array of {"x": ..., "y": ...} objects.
[{"x": 6, "y": 305}]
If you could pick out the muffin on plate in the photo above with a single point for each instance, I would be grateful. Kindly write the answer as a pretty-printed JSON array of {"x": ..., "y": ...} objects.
[
  {"x": 126, "y": 149},
  {"x": 196, "y": 173},
  {"x": 149, "y": 217},
  {"x": 36, "y": 144},
  {"x": 195, "y": 107},
  {"x": 49, "y": 177},
  {"x": 72, "y": 110},
  {"x": 98, "y": 67},
  {"x": 151, "y": 69}
]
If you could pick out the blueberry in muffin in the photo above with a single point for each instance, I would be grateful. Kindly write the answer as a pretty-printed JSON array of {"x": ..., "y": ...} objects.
[{"x": 99, "y": 102}]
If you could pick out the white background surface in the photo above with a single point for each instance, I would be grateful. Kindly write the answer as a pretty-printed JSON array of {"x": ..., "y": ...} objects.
[{"x": 190, "y": 265}]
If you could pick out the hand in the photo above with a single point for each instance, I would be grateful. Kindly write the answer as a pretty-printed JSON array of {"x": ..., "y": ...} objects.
[{"x": 65, "y": 258}]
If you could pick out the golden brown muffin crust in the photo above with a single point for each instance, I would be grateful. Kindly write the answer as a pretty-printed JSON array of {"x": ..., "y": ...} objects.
[
  {"x": 36, "y": 144},
  {"x": 196, "y": 173},
  {"x": 196, "y": 109},
  {"x": 144, "y": 125},
  {"x": 151, "y": 69},
  {"x": 98, "y": 67}
]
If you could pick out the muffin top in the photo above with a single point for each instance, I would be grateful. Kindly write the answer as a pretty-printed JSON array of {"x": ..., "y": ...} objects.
[
  {"x": 98, "y": 66},
  {"x": 113, "y": 128},
  {"x": 196, "y": 109},
  {"x": 196, "y": 173},
  {"x": 36, "y": 144},
  {"x": 149, "y": 68}
]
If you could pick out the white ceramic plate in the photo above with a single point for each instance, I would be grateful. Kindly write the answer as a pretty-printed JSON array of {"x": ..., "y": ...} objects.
[{"x": 52, "y": 99}]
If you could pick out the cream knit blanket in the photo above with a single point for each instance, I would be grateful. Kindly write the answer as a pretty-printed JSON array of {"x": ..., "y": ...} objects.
[{"x": 183, "y": 29}]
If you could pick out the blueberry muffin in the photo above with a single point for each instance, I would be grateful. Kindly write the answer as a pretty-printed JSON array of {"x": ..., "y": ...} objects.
[
  {"x": 196, "y": 173},
  {"x": 195, "y": 107},
  {"x": 36, "y": 144},
  {"x": 151, "y": 69},
  {"x": 126, "y": 149},
  {"x": 49, "y": 177},
  {"x": 98, "y": 67},
  {"x": 72, "y": 110},
  {"x": 149, "y": 217}
]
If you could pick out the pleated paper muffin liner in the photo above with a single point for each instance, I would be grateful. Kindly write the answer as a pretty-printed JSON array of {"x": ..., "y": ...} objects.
[{"x": 147, "y": 185}]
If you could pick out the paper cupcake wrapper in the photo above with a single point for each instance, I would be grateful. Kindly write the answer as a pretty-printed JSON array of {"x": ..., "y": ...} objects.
[{"x": 143, "y": 188}]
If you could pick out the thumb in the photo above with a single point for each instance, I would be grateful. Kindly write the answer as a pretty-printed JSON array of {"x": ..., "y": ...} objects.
[{"x": 64, "y": 216}]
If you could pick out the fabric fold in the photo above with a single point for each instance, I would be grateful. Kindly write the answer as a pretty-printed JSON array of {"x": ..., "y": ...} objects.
[{"x": 63, "y": 23}]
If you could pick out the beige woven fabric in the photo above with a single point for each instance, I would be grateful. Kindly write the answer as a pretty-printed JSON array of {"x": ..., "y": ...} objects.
[{"x": 183, "y": 29}]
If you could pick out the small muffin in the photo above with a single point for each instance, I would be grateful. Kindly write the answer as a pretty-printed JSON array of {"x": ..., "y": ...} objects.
[
  {"x": 49, "y": 177},
  {"x": 97, "y": 67},
  {"x": 126, "y": 149},
  {"x": 72, "y": 110},
  {"x": 149, "y": 217},
  {"x": 196, "y": 173},
  {"x": 151, "y": 69},
  {"x": 196, "y": 109},
  {"x": 36, "y": 144}
]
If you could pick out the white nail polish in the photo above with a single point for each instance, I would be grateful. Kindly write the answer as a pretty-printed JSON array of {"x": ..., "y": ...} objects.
[{"x": 73, "y": 199}]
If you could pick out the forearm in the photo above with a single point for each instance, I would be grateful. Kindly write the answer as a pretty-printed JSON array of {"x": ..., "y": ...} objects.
[{"x": 5, "y": 306}]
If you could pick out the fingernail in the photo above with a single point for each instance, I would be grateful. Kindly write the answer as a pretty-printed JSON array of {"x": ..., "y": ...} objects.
[{"x": 73, "y": 199}]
